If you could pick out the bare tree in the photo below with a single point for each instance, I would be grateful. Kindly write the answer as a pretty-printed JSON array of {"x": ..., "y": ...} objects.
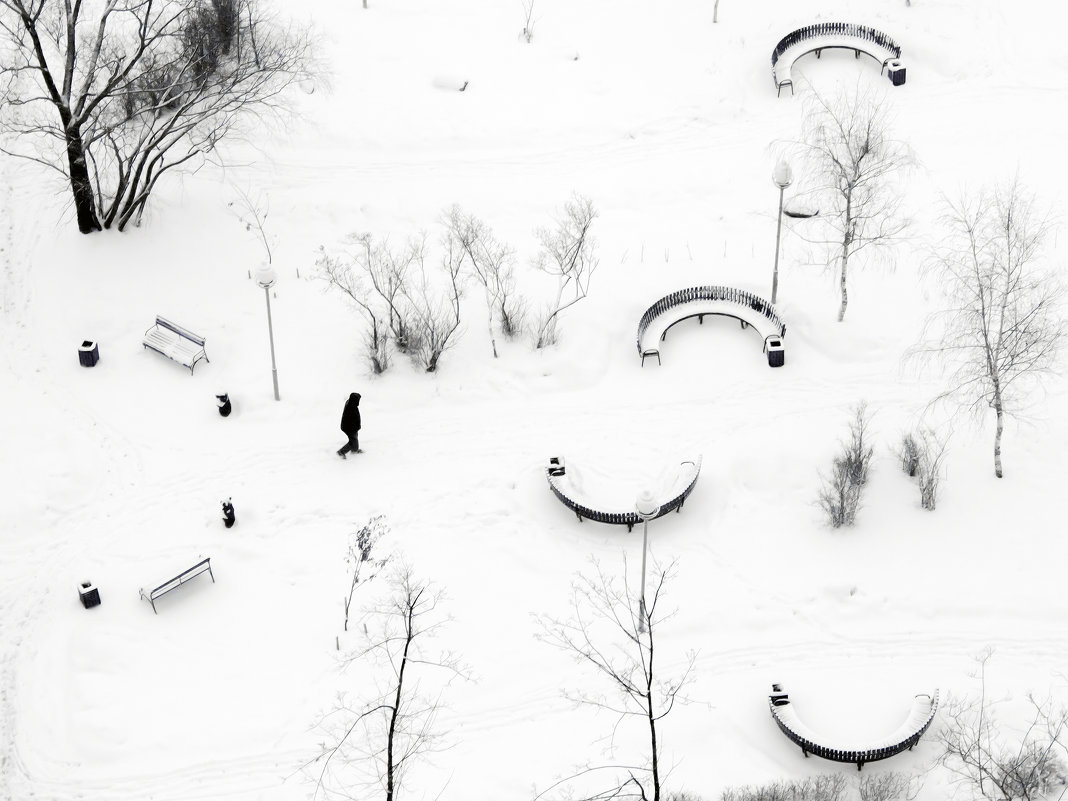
[
  {"x": 1000, "y": 763},
  {"x": 932, "y": 453},
  {"x": 253, "y": 214},
  {"x": 114, "y": 95},
  {"x": 387, "y": 271},
  {"x": 490, "y": 261},
  {"x": 1001, "y": 329},
  {"x": 435, "y": 306},
  {"x": 360, "y": 557},
  {"x": 528, "y": 22},
  {"x": 611, "y": 633},
  {"x": 840, "y": 493},
  {"x": 370, "y": 743},
  {"x": 715, "y": 12},
  {"x": 847, "y": 145},
  {"x": 567, "y": 254},
  {"x": 338, "y": 273}
]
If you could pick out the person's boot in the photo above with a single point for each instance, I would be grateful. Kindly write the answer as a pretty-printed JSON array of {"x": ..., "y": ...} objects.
[{"x": 341, "y": 453}]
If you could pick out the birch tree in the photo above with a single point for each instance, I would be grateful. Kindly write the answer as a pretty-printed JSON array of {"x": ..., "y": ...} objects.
[
  {"x": 114, "y": 95},
  {"x": 373, "y": 739},
  {"x": 847, "y": 147},
  {"x": 613, "y": 635},
  {"x": 1001, "y": 329}
]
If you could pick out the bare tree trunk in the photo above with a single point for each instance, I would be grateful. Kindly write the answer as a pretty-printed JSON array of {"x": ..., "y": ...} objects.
[
  {"x": 409, "y": 629},
  {"x": 847, "y": 241},
  {"x": 80, "y": 183},
  {"x": 489, "y": 321},
  {"x": 715, "y": 12},
  {"x": 997, "y": 435},
  {"x": 652, "y": 734}
]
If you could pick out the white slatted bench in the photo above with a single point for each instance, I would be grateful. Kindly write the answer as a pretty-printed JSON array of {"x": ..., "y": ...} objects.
[
  {"x": 749, "y": 309},
  {"x": 176, "y": 343},
  {"x": 674, "y": 491},
  {"x": 827, "y": 35},
  {"x": 901, "y": 739},
  {"x": 203, "y": 566}
]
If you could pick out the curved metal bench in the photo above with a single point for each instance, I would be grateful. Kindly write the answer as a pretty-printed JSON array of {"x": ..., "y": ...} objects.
[
  {"x": 903, "y": 738},
  {"x": 824, "y": 36},
  {"x": 556, "y": 473},
  {"x": 751, "y": 310}
]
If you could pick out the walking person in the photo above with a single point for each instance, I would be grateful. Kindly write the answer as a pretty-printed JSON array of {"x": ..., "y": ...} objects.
[{"x": 350, "y": 424}]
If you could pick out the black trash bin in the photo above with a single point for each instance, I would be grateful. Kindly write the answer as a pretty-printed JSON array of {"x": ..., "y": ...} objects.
[
  {"x": 895, "y": 71},
  {"x": 89, "y": 595},
  {"x": 776, "y": 351},
  {"x": 88, "y": 353}
]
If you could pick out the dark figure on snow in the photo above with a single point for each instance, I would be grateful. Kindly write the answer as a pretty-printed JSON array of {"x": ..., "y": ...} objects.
[
  {"x": 223, "y": 402},
  {"x": 229, "y": 516},
  {"x": 350, "y": 424}
]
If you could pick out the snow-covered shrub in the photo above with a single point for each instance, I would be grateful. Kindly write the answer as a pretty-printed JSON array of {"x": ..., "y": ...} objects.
[
  {"x": 929, "y": 473},
  {"x": 839, "y": 497},
  {"x": 827, "y": 787},
  {"x": 910, "y": 454},
  {"x": 512, "y": 312},
  {"x": 890, "y": 786},
  {"x": 858, "y": 452}
]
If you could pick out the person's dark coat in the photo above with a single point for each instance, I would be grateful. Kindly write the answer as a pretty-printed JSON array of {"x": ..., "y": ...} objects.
[{"x": 350, "y": 418}]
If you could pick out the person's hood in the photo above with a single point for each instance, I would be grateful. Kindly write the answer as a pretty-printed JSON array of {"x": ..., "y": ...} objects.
[{"x": 355, "y": 396}]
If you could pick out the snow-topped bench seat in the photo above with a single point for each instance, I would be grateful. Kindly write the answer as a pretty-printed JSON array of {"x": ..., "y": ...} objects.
[
  {"x": 901, "y": 739},
  {"x": 176, "y": 343},
  {"x": 675, "y": 486},
  {"x": 749, "y": 309},
  {"x": 823, "y": 36}
]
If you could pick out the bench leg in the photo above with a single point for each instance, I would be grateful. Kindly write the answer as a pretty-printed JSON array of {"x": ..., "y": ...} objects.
[
  {"x": 578, "y": 516},
  {"x": 630, "y": 527}
]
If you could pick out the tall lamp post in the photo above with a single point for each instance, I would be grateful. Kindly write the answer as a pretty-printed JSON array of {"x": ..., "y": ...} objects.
[
  {"x": 782, "y": 177},
  {"x": 647, "y": 508},
  {"x": 266, "y": 277}
]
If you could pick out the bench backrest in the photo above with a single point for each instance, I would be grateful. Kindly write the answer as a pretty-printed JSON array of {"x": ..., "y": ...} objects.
[
  {"x": 184, "y": 333},
  {"x": 904, "y": 738},
  {"x": 679, "y": 495},
  {"x": 724, "y": 293},
  {"x": 864, "y": 32},
  {"x": 200, "y": 567}
]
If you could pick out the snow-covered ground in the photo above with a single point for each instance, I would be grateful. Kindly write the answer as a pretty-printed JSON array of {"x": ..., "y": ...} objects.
[{"x": 671, "y": 126}]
